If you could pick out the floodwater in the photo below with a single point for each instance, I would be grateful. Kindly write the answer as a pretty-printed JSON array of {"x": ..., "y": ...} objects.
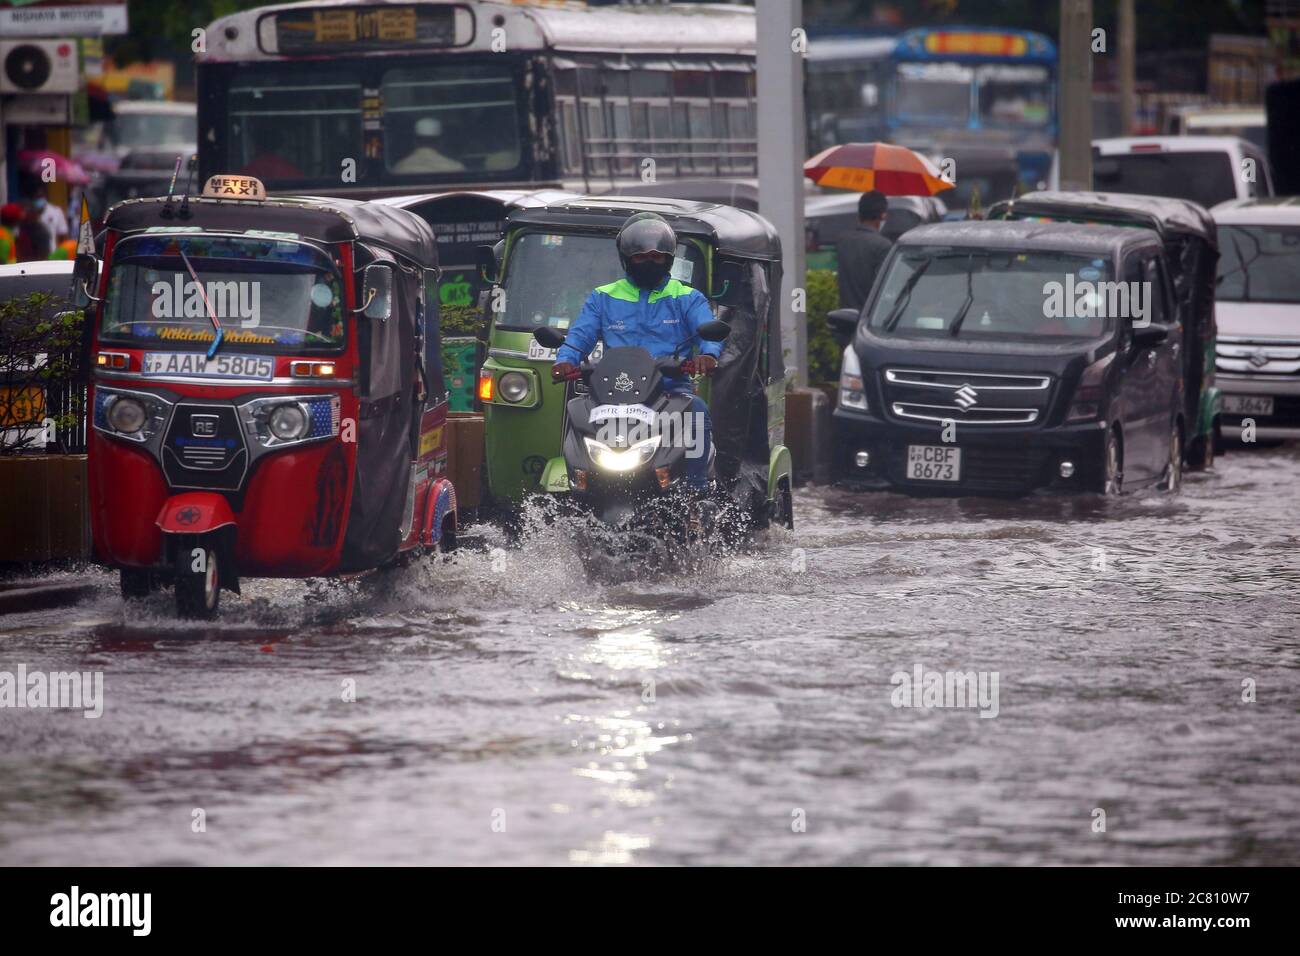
[{"x": 510, "y": 709}]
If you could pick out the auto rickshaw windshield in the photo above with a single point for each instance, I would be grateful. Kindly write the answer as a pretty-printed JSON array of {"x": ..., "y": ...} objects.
[
  {"x": 549, "y": 276},
  {"x": 270, "y": 294},
  {"x": 1008, "y": 293}
]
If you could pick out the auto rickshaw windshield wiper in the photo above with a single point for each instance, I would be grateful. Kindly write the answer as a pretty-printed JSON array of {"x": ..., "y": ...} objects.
[
  {"x": 212, "y": 315},
  {"x": 960, "y": 317}
]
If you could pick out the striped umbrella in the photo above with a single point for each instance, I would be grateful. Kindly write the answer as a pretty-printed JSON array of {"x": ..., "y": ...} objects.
[{"x": 894, "y": 170}]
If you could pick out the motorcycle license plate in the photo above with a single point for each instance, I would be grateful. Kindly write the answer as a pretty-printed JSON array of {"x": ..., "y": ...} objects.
[
  {"x": 934, "y": 462},
  {"x": 229, "y": 365}
]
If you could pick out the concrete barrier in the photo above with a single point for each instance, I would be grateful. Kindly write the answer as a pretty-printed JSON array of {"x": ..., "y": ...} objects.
[{"x": 808, "y": 433}]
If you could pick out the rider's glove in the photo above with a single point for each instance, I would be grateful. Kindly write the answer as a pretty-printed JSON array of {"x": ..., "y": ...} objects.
[
  {"x": 705, "y": 364},
  {"x": 563, "y": 372}
]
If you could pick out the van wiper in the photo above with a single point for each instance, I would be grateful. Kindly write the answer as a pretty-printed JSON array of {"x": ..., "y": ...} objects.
[
  {"x": 1244, "y": 265},
  {"x": 904, "y": 295},
  {"x": 960, "y": 317}
]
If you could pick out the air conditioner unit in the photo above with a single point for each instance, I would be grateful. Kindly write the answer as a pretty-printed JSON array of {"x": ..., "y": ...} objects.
[{"x": 39, "y": 66}]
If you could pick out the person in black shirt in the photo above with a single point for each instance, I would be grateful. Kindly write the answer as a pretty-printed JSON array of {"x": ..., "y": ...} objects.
[{"x": 860, "y": 253}]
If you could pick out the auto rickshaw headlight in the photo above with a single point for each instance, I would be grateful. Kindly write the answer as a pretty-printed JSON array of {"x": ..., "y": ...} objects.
[
  {"x": 513, "y": 386},
  {"x": 126, "y": 415},
  {"x": 289, "y": 422}
]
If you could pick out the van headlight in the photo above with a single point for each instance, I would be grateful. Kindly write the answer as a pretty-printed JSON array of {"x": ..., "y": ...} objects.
[
  {"x": 621, "y": 459},
  {"x": 852, "y": 393}
]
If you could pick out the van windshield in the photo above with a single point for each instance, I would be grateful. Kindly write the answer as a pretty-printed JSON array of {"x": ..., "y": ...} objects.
[
  {"x": 1259, "y": 264},
  {"x": 550, "y": 275},
  {"x": 1009, "y": 295},
  {"x": 1202, "y": 177},
  {"x": 266, "y": 293}
]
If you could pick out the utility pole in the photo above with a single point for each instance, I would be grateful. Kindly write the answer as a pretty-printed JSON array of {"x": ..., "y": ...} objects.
[
  {"x": 780, "y": 160},
  {"x": 1127, "y": 68},
  {"x": 1075, "y": 97}
]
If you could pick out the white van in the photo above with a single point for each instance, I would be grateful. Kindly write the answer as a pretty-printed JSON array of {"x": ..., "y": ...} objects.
[
  {"x": 1205, "y": 169},
  {"x": 1257, "y": 310}
]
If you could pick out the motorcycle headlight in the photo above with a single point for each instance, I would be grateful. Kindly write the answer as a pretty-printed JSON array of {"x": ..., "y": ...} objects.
[
  {"x": 289, "y": 422},
  {"x": 621, "y": 459},
  {"x": 513, "y": 386},
  {"x": 126, "y": 415}
]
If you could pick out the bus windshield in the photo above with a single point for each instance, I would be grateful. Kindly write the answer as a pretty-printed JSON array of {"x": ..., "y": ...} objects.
[
  {"x": 549, "y": 276},
  {"x": 1007, "y": 294},
  {"x": 267, "y": 294},
  {"x": 297, "y": 124},
  {"x": 938, "y": 92}
]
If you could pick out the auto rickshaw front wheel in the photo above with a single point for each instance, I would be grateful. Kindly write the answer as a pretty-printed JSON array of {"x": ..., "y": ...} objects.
[{"x": 198, "y": 580}]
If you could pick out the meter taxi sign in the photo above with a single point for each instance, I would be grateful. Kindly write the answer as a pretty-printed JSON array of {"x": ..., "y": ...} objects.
[{"x": 234, "y": 187}]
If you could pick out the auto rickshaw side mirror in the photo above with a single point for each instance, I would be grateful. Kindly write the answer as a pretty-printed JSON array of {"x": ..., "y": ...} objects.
[
  {"x": 85, "y": 273},
  {"x": 714, "y": 331},
  {"x": 487, "y": 261},
  {"x": 377, "y": 291},
  {"x": 1149, "y": 336},
  {"x": 550, "y": 337},
  {"x": 843, "y": 321}
]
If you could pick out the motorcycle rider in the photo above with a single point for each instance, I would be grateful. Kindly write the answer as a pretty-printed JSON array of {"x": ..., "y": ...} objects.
[{"x": 650, "y": 309}]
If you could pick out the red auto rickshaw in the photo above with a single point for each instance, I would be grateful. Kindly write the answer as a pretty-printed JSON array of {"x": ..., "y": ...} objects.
[{"x": 267, "y": 391}]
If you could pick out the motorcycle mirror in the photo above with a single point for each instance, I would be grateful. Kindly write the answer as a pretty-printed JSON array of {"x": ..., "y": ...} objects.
[
  {"x": 550, "y": 337},
  {"x": 714, "y": 331}
]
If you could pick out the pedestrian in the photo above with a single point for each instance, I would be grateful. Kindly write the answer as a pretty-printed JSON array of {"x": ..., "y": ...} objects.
[
  {"x": 860, "y": 253},
  {"x": 53, "y": 218}
]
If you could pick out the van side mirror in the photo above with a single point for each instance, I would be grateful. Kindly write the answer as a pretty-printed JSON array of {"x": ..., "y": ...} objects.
[
  {"x": 549, "y": 336},
  {"x": 85, "y": 276},
  {"x": 487, "y": 259},
  {"x": 377, "y": 291},
  {"x": 843, "y": 321},
  {"x": 714, "y": 331}
]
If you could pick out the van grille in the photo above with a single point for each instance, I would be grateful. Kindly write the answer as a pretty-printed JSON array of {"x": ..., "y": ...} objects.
[{"x": 971, "y": 398}]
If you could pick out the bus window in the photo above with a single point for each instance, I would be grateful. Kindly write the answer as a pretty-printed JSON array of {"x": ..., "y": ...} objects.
[
  {"x": 1014, "y": 95},
  {"x": 287, "y": 126},
  {"x": 450, "y": 119}
]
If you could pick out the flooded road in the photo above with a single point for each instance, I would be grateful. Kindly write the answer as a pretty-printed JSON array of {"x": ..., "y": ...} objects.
[{"x": 510, "y": 710}]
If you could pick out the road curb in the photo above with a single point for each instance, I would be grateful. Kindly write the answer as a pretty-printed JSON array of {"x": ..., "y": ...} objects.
[{"x": 37, "y": 596}]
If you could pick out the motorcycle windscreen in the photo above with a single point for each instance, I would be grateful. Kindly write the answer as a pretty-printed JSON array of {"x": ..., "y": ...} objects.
[
  {"x": 738, "y": 405},
  {"x": 384, "y": 454}
]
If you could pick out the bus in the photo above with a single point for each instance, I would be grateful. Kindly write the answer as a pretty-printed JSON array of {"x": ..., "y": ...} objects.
[
  {"x": 964, "y": 92},
  {"x": 352, "y": 98}
]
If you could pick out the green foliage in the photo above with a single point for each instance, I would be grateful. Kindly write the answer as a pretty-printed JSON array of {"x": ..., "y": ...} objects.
[
  {"x": 39, "y": 358},
  {"x": 823, "y": 351},
  {"x": 163, "y": 27}
]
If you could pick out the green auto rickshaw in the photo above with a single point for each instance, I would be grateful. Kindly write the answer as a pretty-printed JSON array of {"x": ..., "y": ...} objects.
[{"x": 550, "y": 259}]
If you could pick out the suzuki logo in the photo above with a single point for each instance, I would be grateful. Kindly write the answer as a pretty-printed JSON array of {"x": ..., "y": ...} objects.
[
  {"x": 1259, "y": 359},
  {"x": 203, "y": 426},
  {"x": 966, "y": 397}
]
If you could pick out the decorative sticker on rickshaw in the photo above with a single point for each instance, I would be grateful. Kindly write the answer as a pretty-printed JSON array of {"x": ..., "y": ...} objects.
[
  {"x": 683, "y": 269},
  {"x": 552, "y": 240}
]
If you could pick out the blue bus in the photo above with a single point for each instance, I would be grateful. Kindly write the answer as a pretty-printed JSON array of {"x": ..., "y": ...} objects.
[{"x": 981, "y": 94}]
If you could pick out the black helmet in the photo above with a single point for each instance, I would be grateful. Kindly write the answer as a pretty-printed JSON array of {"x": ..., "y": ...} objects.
[{"x": 645, "y": 232}]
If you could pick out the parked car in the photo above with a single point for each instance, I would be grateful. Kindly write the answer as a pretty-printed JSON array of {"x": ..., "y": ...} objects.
[
  {"x": 1205, "y": 169},
  {"x": 1258, "y": 313},
  {"x": 969, "y": 371}
]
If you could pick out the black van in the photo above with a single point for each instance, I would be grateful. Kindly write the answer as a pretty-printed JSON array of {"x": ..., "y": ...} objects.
[{"x": 1000, "y": 357}]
